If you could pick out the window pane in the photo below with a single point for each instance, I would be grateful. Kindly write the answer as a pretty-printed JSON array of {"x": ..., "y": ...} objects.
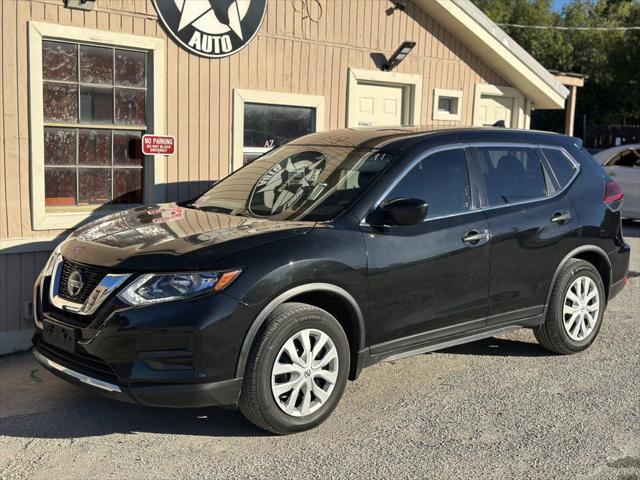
[
  {"x": 248, "y": 157},
  {"x": 444, "y": 104},
  {"x": 60, "y": 102},
  {"x": 127, "y": 185},
  {"x": 130, "y": 68},
  {"x": 60, "y": 186},
  {"x": 96, "y": 65},
  {"x": 267, "y": 126},
  {"x": 59, "y": 146},
  {"x": 442, "y": 180},
  {"x": 127, "y": 148},
  {"x": 129, "y": 106},
  {"x": 562, "y": 167},
  {"x": 94, "y": 147},
  {"x": 96, "y": 105},
  {"x": 59, "y": 61},
  {"x": 94, "y": 186},
  {"x": 511, "y": 174}
]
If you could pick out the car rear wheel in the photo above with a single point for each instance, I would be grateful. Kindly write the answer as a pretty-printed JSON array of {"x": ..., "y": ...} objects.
[
  {"x": 575, "y": 310},
  {"x": 297, "y": 370}
]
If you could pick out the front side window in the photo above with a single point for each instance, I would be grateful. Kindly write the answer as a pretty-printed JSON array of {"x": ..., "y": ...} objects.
[
  {"x": 629, "y": 158},
  {"x": 94, "y": 109},
  {"x": 441, "y": 180},
  {"x": 297, "y": 183},
  {"x": 510, "y": 174},
  {"x": 563, "y": 168},
  {"x": 267, "y": 126}
]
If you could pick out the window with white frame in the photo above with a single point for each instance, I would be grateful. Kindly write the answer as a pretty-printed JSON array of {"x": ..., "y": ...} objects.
[
  {"x": 94, "y": 110},
  {"x": 267, "y": 126},
  {"x": 92, "y": 95},
  {"x": 264, "y": 120},
  {"x": 447, "y": 104}
]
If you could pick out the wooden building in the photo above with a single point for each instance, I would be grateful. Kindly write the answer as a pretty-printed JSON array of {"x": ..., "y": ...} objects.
[{"x": 78, "y": 88}]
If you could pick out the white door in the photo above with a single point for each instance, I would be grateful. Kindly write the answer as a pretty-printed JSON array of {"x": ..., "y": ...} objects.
[
  {"x": 493, "y": 108},
  {"x": 379, "y": 105}
]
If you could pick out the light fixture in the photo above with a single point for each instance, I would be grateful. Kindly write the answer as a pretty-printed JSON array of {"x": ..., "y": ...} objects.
[
  {"x": 396, "y": 6},
  {"x": 397, "y": 57},
  {"x": 80, "y": 4}
]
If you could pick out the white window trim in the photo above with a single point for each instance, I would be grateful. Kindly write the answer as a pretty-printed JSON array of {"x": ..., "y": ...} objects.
[
  {"x": 519, "y": 114},
  {"x": 241, "y": 96},
  {"x": 439, "y": 115},
  {"x": 411, "y": 83},
  {"x": 155, "y": 167}
]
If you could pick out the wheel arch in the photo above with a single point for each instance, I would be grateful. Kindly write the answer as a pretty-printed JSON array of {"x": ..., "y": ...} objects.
[
  {"x": 332, "y": 298},
  {"x": 589, "y": 253}
]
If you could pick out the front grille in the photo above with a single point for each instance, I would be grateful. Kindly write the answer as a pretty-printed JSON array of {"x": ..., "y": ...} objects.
[
  {"x": 91, "y": 277},
  {"x": 79, "y": 362}
]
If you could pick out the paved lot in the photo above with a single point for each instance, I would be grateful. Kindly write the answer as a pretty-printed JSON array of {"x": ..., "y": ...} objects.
[{"x": 500, "y": 408}]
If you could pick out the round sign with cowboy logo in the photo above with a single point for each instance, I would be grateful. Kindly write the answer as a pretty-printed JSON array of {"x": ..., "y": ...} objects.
[{"x": 212, "y": 28}]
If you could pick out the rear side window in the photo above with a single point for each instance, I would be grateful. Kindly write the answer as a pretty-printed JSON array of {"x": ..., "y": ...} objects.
[
  {"x": 510, "y": 174},
  {"x": 441, "y": 180},
  {"x": 561, "y": 166}
]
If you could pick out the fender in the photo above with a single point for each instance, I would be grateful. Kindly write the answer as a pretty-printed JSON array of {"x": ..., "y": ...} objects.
[
  {"x": 569, "y": 256},
  {"x": 306, "y": 288}
]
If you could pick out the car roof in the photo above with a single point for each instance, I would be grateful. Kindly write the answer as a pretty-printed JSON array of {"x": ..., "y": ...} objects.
[
  {"x": 605, "y": 155},
  {"x": 402, "y": 138}
]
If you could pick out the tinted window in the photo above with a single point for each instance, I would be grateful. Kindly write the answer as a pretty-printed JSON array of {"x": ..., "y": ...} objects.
[
  {"x": 562, "y": 167},
  {"x": 511, "y": 174},
  {"x": 442, "y": 180}
]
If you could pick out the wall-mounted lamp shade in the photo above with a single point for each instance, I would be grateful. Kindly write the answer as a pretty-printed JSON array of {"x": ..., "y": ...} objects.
[{"x": 399, "y": 55}]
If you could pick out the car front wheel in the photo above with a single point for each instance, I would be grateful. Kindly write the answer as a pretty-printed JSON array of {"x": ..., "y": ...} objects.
[{"x": 297, "y": 370}]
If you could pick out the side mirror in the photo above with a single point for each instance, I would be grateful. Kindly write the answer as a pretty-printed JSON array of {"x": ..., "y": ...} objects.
[{"x": 401, "y": 211}]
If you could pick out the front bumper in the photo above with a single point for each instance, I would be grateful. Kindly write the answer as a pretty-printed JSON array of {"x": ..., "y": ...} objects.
[
  {"x": 224, "y": 393},
  {"x": 173, "y": 354}
]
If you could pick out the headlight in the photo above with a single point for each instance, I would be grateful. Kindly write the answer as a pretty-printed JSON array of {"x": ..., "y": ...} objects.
[
  {"x": 152, "y": 288},
  {"x": 48, "y": 268}
]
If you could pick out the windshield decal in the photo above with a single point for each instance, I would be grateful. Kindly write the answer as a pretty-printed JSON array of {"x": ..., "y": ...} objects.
[{"x": 287, "y": 184}]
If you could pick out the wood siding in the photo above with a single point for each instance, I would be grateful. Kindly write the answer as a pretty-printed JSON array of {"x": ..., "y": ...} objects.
[{"x": 290, "y": 54}]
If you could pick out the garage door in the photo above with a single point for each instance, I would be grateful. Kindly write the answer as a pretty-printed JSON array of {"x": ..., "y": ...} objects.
[
  {"x": 379, "y": 105},
  {"x": 493, "y": 108}
]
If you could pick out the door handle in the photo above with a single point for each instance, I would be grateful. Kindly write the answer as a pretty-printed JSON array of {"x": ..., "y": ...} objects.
[
  {"x": 561, "y": 217},
  {"x": 475, "y": 237}
]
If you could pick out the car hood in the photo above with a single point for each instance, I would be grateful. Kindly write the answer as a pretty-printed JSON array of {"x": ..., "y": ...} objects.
[{"x": 170, "y": 237}]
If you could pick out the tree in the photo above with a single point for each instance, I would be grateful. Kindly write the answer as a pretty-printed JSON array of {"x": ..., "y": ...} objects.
[{"x": 610, "y": 58}]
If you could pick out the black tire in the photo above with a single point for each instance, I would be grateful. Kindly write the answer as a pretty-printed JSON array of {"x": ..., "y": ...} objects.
[
  {"x": 552, "y": 334},
  {"x": 257, "y": 402}
]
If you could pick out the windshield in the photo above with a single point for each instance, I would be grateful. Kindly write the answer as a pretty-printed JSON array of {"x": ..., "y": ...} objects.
[{"x": 297, "y": 183}]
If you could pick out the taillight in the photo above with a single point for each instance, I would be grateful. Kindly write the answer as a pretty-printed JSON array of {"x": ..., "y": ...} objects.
[{"x": 613, "y": 194}]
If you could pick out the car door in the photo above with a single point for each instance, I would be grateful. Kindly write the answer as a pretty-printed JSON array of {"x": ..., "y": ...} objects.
[
  {"x": 625, "y": 170},
  {"x": 431, "y": 279},
  {"x": 532, "y": 224}
]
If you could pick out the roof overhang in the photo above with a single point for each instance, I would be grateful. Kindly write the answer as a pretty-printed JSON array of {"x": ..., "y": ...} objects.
[{"x": 498, "y": 50}]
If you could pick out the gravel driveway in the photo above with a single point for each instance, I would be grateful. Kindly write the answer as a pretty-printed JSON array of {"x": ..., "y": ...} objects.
[{"x": 499, "y": 408}]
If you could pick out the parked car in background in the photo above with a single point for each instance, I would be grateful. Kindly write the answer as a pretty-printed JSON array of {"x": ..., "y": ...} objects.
[
  {"x": 330, "y": 254},
  {"x": 623, "y": 164}
]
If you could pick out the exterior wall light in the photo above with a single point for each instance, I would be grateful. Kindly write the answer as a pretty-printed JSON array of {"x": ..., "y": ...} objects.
[
  {"x": 399, "y": 55},
  {"x": 80, "y": 4}
]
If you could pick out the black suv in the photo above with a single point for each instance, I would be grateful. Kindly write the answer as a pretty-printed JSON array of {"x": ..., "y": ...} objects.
[{"x": 327, "y": 255}]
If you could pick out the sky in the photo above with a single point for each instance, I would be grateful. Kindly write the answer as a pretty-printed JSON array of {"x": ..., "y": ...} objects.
[{"x": 558, "y": 4}]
